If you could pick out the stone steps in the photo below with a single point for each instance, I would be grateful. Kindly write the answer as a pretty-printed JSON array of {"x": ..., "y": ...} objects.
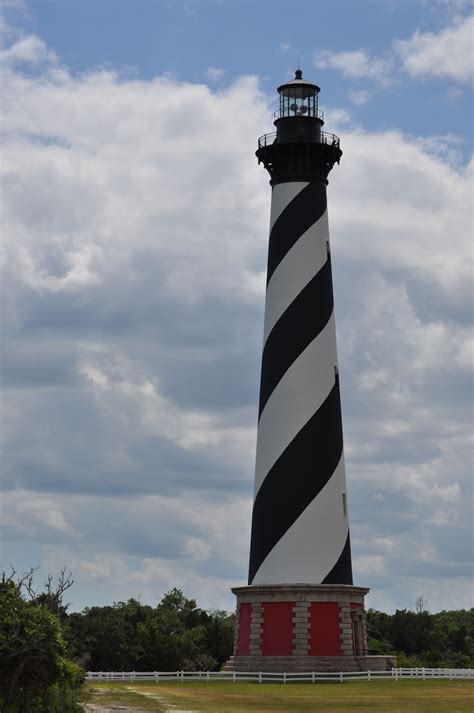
[{"x": 229, "y": 664}]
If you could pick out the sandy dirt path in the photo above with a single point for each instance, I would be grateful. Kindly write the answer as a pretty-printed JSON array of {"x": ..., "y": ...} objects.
[
  {"x": 96, "y": 708},
  {"x": 110, "y": 708}
]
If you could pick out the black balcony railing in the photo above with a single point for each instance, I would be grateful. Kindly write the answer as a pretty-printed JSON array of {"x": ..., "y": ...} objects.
[
  {"x": 323, "y": 138},
  {"x": 296, "y": 110}
]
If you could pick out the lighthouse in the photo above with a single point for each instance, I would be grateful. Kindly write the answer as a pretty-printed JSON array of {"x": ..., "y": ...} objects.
[{"x": 300, "y": 609}]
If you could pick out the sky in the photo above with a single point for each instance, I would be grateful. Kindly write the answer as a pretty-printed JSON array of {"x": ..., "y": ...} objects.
[{"x": 135, "y": 227}]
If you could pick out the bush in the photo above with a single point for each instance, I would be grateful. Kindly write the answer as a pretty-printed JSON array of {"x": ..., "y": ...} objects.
[
  {"x": 379, "y": 648},
  {"x": 35, "y": 675},
  {"x": 404, "y": 661}
]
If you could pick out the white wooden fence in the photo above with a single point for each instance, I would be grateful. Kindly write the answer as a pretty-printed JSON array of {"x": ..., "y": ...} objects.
[{"x": 267, "y": 677}]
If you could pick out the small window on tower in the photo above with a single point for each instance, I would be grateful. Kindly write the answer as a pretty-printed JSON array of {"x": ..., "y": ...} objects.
[
  {"x": 344, "y": 504},
  {"x": 336, "y": 376}
]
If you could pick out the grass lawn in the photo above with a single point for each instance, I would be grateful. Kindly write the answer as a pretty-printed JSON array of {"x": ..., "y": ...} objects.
[{"x": 227, "y": 697}]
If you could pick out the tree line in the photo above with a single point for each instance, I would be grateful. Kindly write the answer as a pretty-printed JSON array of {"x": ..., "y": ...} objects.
[
  {"x": 441, "y": 640},
  {"x": 45, "y": 649},
  {"x": 130, "y": 636}
]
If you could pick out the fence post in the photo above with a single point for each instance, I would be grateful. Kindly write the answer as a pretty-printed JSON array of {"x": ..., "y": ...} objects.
[
  {"x": 233, "y": 676},
  {"x": 260, "y": 677},
  {"x": 313, "y": 677},
  {"x": 341, "y": 677},
  {"x": 396, "y": 674},
  {"x": 284, "y": 677},
  {"x": 423, "y": 673},
  {"x": 368, "y": 675}
]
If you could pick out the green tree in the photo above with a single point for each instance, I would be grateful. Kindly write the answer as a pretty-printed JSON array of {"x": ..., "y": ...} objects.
[
  {"x": 445, "y": 639},
  {"x": 174, "y": 635},
  {"x": 33, "y": 663},
  {"x": 378, "y": 632},
  {"x": 219, "y": 628},
  {"x": 108, "y": 638},
  {"x": 410, "y": 632},
  {"x": 454, "y": 636}
]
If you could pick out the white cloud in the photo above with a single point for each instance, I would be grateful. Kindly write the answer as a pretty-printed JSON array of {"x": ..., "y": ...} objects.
[
  {"x": 214, "y": 73},
  {"x": 356, "y": 64},
  {"x": 336, "y": 118},
  {"x": 29, "y": 49},
  {"x": 444, "y": 54},
  {"x": 447, "y": 54},
  {"x": 17, "y": 5},
  {"x": 136, "y": 220},
  {"x": 149, "y": 543},
  {"x": 359, "y": 97}
]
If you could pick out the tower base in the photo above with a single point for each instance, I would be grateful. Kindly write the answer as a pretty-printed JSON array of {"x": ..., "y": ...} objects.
[{"x": 301, "y": 627}]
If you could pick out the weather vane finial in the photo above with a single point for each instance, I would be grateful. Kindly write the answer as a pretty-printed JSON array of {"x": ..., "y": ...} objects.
[{"x": 298, "y": 73}]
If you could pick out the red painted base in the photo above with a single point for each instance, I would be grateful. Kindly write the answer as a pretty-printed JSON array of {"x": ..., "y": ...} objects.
[
  {"x": 324, "y": 632},
  {"x": 300, "y": 622}
]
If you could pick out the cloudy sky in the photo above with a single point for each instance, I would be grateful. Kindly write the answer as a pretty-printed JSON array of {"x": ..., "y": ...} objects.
[{"x": 135, "y": 225}]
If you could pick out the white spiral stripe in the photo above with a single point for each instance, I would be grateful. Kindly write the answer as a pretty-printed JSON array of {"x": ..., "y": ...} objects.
[
  {"x": 308, "y": 550},
  {"x": 282, "y": 194},
  {"x": 301, "y": 263},
  {"x": 295, "y": 399}
]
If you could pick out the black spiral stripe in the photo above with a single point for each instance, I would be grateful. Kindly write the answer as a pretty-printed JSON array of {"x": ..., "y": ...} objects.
[
  {"x": 341, "y": 573},
  {"x": 311, "y": 458},
  {"x": 299, "y": 215},
  {"x": 302, "y": 321},
  {"x": 310, "y": 453}
]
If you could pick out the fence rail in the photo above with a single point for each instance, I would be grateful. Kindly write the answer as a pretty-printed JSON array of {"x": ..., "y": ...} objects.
[{"x": 271, "y": 677}]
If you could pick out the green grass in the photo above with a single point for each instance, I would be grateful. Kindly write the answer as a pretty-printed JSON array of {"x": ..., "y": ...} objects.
[{"x": 226, "y": 697}]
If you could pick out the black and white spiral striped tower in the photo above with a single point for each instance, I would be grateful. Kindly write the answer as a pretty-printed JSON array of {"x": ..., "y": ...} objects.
[{"x": 300, "y": 528}]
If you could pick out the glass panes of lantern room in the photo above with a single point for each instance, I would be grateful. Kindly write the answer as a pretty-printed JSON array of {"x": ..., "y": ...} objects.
[{"x": 298, "y": 101}]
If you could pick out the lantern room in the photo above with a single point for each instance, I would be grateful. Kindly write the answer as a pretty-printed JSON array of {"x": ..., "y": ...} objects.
[{"x": 298, "y": 98}]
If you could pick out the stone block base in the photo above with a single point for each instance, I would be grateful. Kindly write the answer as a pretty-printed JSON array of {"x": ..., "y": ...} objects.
[
  {"x": 376, "y": 663},
  {"x": 294, "y": 664},
  {"x": 299, "y": 627},
  {"x": 304, "y": 664}
]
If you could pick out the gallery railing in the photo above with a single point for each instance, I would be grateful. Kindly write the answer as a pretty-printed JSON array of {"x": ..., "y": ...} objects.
[{"x": 324, "y": 138}]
